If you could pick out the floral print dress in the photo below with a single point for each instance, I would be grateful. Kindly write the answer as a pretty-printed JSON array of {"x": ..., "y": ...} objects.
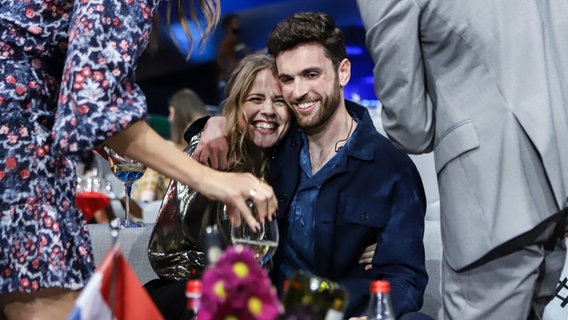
[{"x": 66, "y": 85}]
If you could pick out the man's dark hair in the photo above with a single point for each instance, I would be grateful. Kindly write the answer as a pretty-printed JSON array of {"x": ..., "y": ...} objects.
[{"x": 305, "y": 28}]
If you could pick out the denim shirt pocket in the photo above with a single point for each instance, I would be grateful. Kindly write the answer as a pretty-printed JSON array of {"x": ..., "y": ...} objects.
[{"x": 365, "y": 211}]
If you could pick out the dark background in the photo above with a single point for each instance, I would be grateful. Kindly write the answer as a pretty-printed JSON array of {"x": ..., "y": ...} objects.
[{"x": 165, "y": 70}]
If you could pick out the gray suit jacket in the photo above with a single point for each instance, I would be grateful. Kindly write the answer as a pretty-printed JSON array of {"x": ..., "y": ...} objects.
[{"x": 484, "y": 85}]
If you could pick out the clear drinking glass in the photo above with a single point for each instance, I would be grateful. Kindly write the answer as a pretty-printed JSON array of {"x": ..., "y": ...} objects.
[
  {"x": 127, "y": 170},
  {"x": 92, "y": 195},
  {"x": 262, "y": 243}
]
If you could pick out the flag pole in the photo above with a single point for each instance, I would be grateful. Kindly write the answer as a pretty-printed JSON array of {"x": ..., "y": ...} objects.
[{"x": 114, "y": 229}]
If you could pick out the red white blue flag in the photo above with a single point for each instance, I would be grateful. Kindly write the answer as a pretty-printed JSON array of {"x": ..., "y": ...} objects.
[{"x": 114, "y": 292}]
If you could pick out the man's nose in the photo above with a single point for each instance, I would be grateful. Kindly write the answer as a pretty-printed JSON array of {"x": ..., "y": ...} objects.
[{"x": 299, "y": 90}]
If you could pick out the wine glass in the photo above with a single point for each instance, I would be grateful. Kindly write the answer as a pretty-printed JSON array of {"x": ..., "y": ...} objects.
[
  {"x": 263, "y": 243},
  {"x": 92, "y": 196},
  {"x": 127, "y": 170}
]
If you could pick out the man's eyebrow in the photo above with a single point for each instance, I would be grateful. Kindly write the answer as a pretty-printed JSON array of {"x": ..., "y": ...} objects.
[
  {"x": 302, "y": 73},
  {"x": 284, "y": 75},
  {"x": 311, "y": 69}
]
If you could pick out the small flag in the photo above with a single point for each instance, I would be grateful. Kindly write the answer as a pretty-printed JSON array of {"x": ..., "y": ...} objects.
[{"x": 114, "y": 292}]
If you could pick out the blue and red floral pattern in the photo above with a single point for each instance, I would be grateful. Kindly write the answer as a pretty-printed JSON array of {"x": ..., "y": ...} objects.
[{"x": 66, "y": 85}]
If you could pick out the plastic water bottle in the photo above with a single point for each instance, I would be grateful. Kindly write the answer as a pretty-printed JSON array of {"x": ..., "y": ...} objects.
[
  {"x": 380, "y": 305},
  {"x": 193, "y": 295}
]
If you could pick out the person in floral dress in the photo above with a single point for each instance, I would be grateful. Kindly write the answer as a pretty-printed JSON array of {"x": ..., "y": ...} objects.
[{"x": 66, "y": 87}]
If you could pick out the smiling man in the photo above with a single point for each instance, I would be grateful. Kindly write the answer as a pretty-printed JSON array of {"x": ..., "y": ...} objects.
[{"x": 341, "y": 185}]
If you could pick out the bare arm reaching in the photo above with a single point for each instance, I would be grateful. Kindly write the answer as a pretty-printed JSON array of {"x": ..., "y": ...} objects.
[{"x": 142, "y": 143}]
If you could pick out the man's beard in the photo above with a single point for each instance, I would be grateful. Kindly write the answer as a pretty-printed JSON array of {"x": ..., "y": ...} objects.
[{"x": 329, "y": 105}]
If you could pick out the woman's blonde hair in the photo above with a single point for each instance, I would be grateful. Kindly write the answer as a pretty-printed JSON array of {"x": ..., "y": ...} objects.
[
  {"x": 236, "y": 91},
  {"x": 188, "y": 107},
  {"x": 209, "y": 8}
]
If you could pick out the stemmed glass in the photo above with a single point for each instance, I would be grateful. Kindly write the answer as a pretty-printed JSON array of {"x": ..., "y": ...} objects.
[
  {"x": 263, "y": 243},
  {"x": 127, "y": 170},
  {"x": 92, "y": 195}
]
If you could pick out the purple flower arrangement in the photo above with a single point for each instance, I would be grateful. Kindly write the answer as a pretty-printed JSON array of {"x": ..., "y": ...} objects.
[{"x": 238, "y": 288}]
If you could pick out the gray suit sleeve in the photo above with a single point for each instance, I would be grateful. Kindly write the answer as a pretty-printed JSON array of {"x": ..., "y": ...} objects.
[{"x": 393, "y": 40}]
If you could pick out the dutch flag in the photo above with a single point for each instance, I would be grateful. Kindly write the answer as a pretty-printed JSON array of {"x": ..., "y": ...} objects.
[{"x": 114, "y": 292}]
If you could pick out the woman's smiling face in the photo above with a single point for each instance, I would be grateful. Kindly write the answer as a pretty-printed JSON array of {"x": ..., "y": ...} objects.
[{"x": 266, "y": 111}]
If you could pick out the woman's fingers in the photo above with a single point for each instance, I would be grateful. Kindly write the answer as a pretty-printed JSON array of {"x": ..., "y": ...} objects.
[
  {"x": 248, "y": 217},
  {"x": 265, "y": 201},
  {"x": 240, "y": 187}
]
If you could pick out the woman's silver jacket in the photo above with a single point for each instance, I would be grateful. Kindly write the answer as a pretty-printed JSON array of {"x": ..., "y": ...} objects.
[{"x": 175, "y": 248}]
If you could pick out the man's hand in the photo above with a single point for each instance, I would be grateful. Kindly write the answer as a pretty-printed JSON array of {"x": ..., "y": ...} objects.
[{"x": 213, "y": 148}]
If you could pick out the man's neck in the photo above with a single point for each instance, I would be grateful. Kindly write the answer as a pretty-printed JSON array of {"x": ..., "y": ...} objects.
[{"x": 327, "y": 140}]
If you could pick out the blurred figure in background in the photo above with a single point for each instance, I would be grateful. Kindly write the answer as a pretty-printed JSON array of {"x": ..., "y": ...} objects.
[
  {"x": 184, "y": 107},
  {"x": 230, "y": 52}
]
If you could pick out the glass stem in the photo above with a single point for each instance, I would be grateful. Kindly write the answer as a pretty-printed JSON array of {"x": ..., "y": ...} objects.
[{"x": 127, "y": 189}]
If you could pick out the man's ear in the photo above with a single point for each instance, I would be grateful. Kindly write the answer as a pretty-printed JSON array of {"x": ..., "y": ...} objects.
[
  {"x": 344, "y": 72},
  {"x": 172, "y": 113}
]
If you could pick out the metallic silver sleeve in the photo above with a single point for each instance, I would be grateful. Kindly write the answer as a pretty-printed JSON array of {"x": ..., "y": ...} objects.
[{"x": 175, "y": 248}]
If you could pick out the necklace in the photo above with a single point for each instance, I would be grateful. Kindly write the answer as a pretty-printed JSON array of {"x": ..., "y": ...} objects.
[
  {"x": 337, "y": 147},
  {"x": 319, "y": 159}
]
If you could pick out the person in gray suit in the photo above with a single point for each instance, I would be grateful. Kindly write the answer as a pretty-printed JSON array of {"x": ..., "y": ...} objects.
[{"x": 483, "y": 84}]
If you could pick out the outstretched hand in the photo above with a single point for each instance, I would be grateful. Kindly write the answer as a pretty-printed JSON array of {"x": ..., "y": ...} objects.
[
  {"x": 234, "y": 189},
  {"x": 142, "y": 143}
]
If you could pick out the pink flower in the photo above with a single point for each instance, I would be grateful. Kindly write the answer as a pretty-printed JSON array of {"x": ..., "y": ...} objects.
[
  {"x": 30, "y": 13},
  {"x": 237, "y": 287},
  {"x": 24, "y": 174},
  {"x": 20, "y": 89},
  {"x": 10, "y": 79},
  {"x": 11, "y": 163}
]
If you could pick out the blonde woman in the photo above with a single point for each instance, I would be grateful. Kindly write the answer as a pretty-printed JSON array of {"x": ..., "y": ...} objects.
[{"x": 257, "y": 118}]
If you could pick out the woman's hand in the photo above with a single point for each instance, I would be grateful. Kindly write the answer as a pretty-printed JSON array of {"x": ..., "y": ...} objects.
[
  {"x": 367, "y": 256},
  {"x": 140, "y": 142},
  {"x": 234, "y": 189}
]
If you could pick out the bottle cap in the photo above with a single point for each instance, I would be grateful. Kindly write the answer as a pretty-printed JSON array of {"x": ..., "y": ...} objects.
[
  {"x": 380, "y": 286},
  {"x": 193, "y": 286}
]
